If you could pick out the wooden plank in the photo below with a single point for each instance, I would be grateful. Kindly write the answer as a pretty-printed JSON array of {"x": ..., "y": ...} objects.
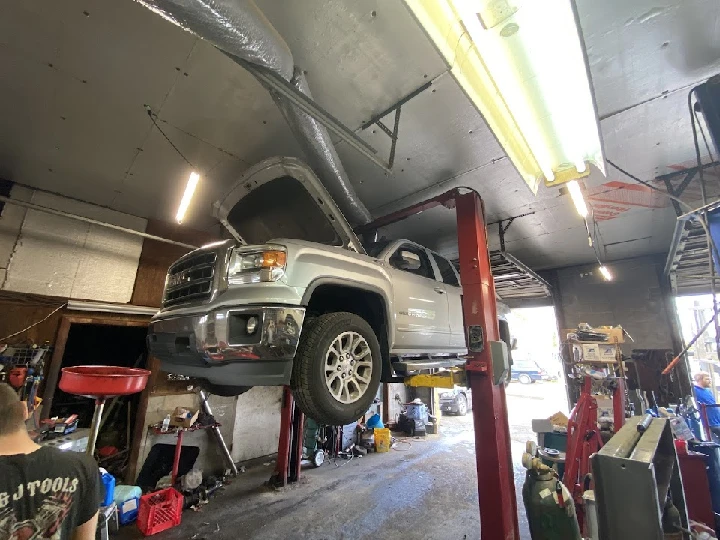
[{"x": 52, "y": 370}]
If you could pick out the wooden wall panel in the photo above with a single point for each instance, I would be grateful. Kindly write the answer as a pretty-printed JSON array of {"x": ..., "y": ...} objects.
[
  {"x": 17, "y": 311},
  {"x": 156, "y": 258}
]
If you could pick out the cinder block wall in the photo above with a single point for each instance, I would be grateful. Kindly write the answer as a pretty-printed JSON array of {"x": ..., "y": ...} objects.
[
  {"x": 636, "y": 299},
  {"x": 52, "y": 255},
  {"x": 257, "y": 423}
]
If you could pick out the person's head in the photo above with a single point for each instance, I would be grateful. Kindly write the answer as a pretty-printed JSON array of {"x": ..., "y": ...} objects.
[
  {"x": 13, "y": 412},
  {"x": 702, "y": 379}
]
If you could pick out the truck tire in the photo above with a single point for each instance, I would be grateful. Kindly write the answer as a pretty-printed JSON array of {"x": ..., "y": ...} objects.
[
  {"x": 336, "y": 371},
  {"x": 524, "y": 378}
]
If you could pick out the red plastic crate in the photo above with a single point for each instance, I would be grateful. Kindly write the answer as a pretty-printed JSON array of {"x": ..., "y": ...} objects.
[{"x": 159, "y": 511}]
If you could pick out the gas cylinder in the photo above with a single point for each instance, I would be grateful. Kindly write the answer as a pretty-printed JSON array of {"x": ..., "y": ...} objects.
[{"x": 549, "y": 506}]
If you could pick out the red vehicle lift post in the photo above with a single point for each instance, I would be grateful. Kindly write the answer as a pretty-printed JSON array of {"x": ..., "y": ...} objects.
[
  {"x": 290, "y": 442},
  {"x": 583, "y": 440},
  {"x": 496, "y": 486}
]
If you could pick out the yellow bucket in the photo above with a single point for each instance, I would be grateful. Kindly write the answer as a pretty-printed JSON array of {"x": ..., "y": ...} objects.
[{"x": 382, "y": 439}]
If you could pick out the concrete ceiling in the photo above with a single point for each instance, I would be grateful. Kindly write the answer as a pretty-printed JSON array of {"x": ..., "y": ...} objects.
[{"x": 76, "y": 76}]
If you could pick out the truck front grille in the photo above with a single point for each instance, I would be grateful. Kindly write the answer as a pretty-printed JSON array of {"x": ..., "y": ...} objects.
[{"x": 190, "y": 279}]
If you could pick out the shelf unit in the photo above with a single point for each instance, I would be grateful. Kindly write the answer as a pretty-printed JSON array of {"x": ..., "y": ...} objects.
[{"x": 616, "y": 367}]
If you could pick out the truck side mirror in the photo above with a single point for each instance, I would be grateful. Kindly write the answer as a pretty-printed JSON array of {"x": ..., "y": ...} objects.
[
  {"x": 513, "y": 345},
  {"x": 408, "y": 261}
]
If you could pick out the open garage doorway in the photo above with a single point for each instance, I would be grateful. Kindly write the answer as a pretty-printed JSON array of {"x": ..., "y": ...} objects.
[
  {"x": 537, "y": 388},
  {"x": 693, "y": 313}
]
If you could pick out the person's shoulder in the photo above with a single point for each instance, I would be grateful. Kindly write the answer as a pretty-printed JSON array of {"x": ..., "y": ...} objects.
[{"x": 77, "y": 459}]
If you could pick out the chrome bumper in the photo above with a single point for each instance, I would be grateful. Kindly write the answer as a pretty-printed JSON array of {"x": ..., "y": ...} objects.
[{"x": 190, "y": 344}]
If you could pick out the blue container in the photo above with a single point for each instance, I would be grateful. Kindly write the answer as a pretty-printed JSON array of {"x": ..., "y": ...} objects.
[
  {"x": 108, "y": 481},
  {"x": 375, "y": 422},
  {"x": 124, "y": 493},
  {"x": 128, "y": 510},
  {"x": 127, "y": 499}
]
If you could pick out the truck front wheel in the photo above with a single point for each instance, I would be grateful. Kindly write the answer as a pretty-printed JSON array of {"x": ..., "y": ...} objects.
[{"x": 336, "y": 371}]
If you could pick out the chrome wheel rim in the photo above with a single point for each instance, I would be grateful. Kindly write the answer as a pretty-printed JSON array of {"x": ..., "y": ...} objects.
[
  {"x": 348, "y": 367},
  {"x": 462, "y": 408}
]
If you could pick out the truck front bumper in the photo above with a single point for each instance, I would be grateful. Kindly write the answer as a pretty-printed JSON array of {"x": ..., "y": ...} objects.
[{"x": 222, "y": 346}]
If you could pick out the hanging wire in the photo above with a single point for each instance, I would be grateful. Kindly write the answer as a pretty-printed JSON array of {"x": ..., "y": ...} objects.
[
  {"x": 53, "y": 312},
  {"x": 152, "y": 118}
]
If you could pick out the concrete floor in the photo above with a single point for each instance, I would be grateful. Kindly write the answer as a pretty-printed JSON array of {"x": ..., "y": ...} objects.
[{"x": 425, "y": 489}]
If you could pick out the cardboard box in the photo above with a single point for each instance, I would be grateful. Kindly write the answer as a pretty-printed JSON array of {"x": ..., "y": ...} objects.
[
  {"x": 594, "y": 352},
  {"x": 184, "y": 418},
  {"x": 548, "y": 425},
  {"x": 586, "y": 352},
  {"x": 605, "y": 406},
  {"x": 607, "y": 353},
  {"x": 541, "y": 425}
]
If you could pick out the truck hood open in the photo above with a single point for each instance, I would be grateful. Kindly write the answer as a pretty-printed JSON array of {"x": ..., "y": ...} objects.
[{"x": 281, "y": 197}]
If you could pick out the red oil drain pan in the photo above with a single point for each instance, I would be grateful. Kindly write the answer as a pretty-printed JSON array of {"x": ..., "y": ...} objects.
[{"x": 103, "y": 381}]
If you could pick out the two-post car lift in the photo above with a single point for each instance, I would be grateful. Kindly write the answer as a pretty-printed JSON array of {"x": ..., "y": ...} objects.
[{"x": 496, "y": 487}]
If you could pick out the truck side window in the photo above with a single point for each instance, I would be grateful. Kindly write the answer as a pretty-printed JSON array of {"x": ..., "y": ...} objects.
[
  {"x": 413, "y": 260},
  {"x": 446, "y": 271}
]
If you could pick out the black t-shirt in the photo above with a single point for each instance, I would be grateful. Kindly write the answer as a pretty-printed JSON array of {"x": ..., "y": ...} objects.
[{"x": 47, "y": 494}]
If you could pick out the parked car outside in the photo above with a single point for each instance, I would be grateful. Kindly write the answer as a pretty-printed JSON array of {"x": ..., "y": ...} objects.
[
  {"x": 528, "y": 372},
  {"x": 456, "y": 401}
]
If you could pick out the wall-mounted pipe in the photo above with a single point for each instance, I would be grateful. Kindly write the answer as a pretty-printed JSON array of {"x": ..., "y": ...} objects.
[
  {"x": 241, "y": 30},
  {"x": 32, "y": 206}
]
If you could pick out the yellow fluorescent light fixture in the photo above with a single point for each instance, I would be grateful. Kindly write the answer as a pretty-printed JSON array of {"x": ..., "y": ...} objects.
[
  {"x": 187, "y": 196},
  {"x": 522, "y": 64},
  {"x": 605, "y": 272},
  {"x": 577, "y": 198}
]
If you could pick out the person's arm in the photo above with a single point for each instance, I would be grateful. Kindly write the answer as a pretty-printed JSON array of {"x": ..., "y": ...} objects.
[{"x": 86, "y": 531}]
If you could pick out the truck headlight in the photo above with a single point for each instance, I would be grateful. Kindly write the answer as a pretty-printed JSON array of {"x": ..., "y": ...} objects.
[{"x": 256, "y": 265}]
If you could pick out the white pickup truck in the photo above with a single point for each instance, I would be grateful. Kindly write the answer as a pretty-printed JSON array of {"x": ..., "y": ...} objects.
[{"x": 294, "y": 298}]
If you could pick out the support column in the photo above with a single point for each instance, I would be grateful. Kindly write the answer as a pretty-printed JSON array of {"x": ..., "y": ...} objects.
[
  {"x": 282, "y": 466},
  {"x": 496, "y": 485}
]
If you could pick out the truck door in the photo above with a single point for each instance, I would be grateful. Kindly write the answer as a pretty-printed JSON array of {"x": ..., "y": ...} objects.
[
  {"x": 419, "y": 302},
  {"x": 453, "y": 291}
]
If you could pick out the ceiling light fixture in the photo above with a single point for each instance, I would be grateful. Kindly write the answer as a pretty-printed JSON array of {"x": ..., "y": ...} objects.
[
  {"x": 577, "y": 197},
  {"x": 606, "y": 273},
  {"x": 187, "y": 196},
  {"x": 522, "y": 64}
]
